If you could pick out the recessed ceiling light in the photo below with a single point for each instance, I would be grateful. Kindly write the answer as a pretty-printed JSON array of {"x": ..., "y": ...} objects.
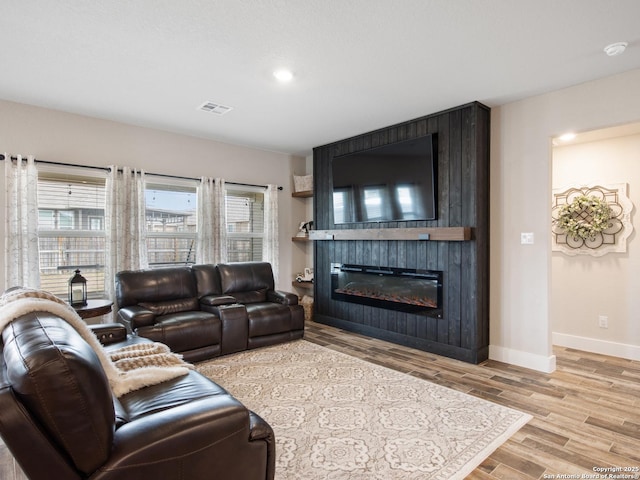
[
  {"x": 615, "y": 48},
  {"x": 283, "y": 75},
  {"x": 567, "y": 137}
]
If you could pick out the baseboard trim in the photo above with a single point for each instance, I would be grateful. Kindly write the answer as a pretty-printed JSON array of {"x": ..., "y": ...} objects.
[
  {"x": 593, "y": 345},
  {"x": 523, "y": 359}
]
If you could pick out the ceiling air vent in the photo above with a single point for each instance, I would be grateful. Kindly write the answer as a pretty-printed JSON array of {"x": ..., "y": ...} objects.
[{"x": 215, "y": 108}]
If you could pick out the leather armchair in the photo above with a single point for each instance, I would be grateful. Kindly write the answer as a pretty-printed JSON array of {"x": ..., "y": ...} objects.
[
  {"x": 60, "y": 420},
  {"x": 162, "y": 305}
]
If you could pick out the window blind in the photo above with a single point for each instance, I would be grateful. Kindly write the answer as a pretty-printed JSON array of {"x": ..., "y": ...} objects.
[
  {"x": 71, "y": 231},
  {"x": 245, "y": 225},
  {"x": 171, "y": 224}
]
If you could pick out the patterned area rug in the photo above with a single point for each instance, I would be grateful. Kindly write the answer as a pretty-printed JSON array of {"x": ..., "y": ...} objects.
[{"x": 339, "y": 417}]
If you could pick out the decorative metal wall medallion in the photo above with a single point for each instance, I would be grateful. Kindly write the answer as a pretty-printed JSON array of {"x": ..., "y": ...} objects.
[{"x": 595, "y": 238}]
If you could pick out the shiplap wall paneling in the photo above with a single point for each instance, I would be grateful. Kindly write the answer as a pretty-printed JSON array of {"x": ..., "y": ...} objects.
[{"x": 463, "y": 201}]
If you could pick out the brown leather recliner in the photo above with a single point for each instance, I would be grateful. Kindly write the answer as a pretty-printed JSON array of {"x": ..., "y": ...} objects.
[
  {"x": 162, "y": 305},
  {"x": 60, "y": 420}
]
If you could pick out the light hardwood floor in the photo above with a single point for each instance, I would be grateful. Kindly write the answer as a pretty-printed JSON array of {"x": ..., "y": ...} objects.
[{"x": 586, "y": 413}]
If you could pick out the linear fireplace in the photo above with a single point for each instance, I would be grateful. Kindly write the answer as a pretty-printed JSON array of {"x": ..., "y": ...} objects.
[{"x": 402, "y": 289}]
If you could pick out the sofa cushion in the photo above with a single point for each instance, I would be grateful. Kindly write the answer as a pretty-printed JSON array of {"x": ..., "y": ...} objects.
[
  {"x": 268, "y": 318},
  {"x": 169, "y": 394},
  {"x": 253, "y": 279},
  {"x": 207, "y": 280},
  {"x": 58, "y": 376},
  {"x": 251, "y": 296},
  {"x": 184, "y": 331},
  {"x": 154, "y": 285},
  {"x": 172, "y": 306}
]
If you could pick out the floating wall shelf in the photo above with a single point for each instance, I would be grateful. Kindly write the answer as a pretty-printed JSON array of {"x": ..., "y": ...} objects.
[{"x": 303, "y": 194}]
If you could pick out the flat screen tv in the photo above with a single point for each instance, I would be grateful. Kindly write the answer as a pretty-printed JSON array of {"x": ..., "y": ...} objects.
[{"x": 395, "y": 182}]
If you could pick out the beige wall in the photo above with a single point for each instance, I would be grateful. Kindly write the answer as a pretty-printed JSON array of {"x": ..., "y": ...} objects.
[
  {"x": 62, "y": 137},
  {"x": 584, "y": 286},
  {"x": 521, "y": 200},
  {"x": 521, "y": 135}
]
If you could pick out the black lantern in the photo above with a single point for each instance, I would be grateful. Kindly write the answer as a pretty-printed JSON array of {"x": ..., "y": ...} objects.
[{"x": 78, "y": 290}]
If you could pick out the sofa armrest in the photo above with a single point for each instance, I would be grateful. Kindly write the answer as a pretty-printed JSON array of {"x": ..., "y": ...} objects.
[
  {"x": 261, "y": 430},
  {"x": 217, "y": 300},
  {"x": 285, "y": 298},
  {"x": 136, "y": 316},
  {"x": 235, "y": 326},
  {"x": 109, "y": 332},
  {"x": 193, "y": 440}
]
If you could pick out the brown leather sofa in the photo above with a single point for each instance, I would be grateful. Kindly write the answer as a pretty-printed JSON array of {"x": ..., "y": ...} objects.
[
  {"x": 60, "y": 420},
  {"x": 208, "y": 310}
]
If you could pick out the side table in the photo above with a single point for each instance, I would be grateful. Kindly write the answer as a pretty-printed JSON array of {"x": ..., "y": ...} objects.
[{"x": 95, "y": 307}]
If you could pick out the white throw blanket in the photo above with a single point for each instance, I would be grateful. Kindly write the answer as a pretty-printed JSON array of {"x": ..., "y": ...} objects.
[{"x": 128, "y": 368}]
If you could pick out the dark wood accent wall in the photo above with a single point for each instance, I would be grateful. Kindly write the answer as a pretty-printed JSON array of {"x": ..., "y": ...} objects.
[{"x": 463, "y": 201}]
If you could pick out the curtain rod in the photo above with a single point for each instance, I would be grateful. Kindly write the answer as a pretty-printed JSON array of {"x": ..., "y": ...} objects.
[{"x": 108, "y": 169}]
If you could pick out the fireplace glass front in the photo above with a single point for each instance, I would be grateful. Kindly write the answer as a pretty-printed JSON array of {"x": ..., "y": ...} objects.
[{"x": 401, "y": 289}]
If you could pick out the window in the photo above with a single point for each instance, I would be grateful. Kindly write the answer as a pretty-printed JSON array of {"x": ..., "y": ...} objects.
[
  {"x": 409, "y": 200},
  {"x": 171, "y": 223},
  {"x": 46, "y": 218},
  {"x": 96, "y": 223},
  {"x": 65, "y": 219},
  {"x": 71, "y": 226},
  {"x": 245, "y": 224},
  {"x": 339, "y": 206},
  {"x": 71, "y": 231},
  {"x": 374, "y": 203}
]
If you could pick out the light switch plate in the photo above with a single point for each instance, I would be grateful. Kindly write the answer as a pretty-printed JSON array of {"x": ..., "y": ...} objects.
[{"x": 526, "y": 238}]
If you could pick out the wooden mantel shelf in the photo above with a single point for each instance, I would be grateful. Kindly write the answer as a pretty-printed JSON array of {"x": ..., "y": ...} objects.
[{"x": 458, "y": 234}]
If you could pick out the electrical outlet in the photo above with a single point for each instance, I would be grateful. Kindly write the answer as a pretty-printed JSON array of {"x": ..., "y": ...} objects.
[{"x": 603, "y": 321}]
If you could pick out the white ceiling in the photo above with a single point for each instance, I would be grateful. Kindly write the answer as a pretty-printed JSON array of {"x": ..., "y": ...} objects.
[{"x": 358, "y": 64}]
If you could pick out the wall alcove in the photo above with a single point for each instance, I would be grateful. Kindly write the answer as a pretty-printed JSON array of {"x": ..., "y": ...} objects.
[{"x": 462, "y": 330}]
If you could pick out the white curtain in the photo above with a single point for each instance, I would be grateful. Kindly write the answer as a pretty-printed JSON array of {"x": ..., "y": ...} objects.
[
  {"x": 125, "y": 224},
  {"x": 270, "y": 245},
  {"x": 211, "y": 236},
  {"x": 22, "y": 261}
]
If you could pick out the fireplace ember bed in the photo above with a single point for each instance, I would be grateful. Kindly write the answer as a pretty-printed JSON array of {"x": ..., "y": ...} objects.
[{"x": 401, "y": 289}]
